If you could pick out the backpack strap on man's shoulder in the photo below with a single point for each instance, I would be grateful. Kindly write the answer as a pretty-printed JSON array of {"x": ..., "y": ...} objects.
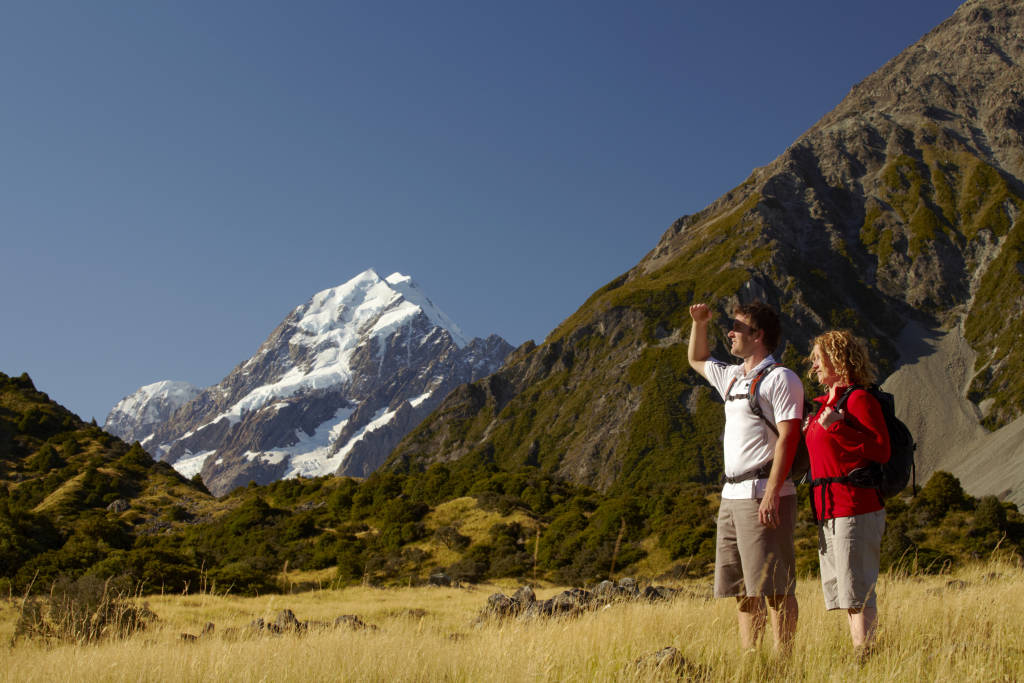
[
  {"x": 752, "y": 394},
  {"x": 728, "y": 389},
  {"x": 755, "y": 404}
]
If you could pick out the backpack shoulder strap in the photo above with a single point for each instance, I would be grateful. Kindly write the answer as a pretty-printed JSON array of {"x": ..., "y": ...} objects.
[
  {"x": 755, "y": 405},
  {"x": 841, "y": 403},
  {"x": 728, "y": 389}
]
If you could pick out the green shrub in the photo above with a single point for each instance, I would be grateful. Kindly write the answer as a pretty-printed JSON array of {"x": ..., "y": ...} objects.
[
  {"x": 135, "y": 459},
  {"x": 151, "y": 569},
  {"x": 243, "y": 578},
  {"x": 468, "y": 570},
  {"x": 990, "y": 515},
  {"x": 450, "y": 537},
  {"x": 942, "y": 494},
  {"x": 350, "y": 560},
  {"x": 46, "y": 459}
]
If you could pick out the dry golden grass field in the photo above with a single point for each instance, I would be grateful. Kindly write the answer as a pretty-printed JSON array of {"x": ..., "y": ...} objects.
[{"x": 967, "y": 625}]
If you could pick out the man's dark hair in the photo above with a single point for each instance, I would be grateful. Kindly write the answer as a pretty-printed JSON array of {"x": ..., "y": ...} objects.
[{"x": 762, "y": 317}]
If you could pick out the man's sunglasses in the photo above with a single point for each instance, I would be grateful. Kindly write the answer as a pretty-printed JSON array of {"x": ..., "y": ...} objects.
[{"x": 743, "y": 328}]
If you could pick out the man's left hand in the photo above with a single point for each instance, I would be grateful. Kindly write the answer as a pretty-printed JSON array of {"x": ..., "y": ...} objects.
[{"x": 768, "y": 512}]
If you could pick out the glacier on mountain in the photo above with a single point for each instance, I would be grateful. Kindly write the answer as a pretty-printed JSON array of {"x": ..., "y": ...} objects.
[{"x": 135, "y": 416}]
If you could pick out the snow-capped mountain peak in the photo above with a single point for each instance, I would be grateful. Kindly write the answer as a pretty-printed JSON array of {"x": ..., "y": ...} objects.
[
  {"x": 407, "y": 288},
  {"x": 369, "y": 304},
  {"x": 336, "y": 385},
  {"x": 134, "y": 417}
]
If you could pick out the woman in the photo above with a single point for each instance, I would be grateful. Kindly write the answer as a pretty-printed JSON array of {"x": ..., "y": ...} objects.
[{"x": 841, "y": 439}]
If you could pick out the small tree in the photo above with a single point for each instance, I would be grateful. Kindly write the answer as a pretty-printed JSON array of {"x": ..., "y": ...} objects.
[
  {"x": 940, "y": 495},
  {"x": 46, "y": 460},
  {"x": 450, "y": 537},
  {"x": 197, "y": 480},
  {"x": 990, "y": 515}
]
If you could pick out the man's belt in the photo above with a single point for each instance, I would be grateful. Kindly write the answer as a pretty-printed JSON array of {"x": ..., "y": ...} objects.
[{"x": 760, "y": 472}]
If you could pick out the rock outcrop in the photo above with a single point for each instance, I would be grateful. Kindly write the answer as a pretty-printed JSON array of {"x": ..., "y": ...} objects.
[{"x": 573, "y": 602}]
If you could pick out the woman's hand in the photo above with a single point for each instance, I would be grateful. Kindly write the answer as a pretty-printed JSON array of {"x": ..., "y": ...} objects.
[{"x": 829, "y": 416}]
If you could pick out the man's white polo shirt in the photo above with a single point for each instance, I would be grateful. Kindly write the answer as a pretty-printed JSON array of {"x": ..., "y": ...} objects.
[{"x": 748, "y": 442}]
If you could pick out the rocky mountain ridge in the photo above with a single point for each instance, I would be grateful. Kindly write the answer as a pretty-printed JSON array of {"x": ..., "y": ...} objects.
[
  {"x": 135, "y": 417},
  {"x": 901, "y": 205},
  {"x": 332, "y": 390}
]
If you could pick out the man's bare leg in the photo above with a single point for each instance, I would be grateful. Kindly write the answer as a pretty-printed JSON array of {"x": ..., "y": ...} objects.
[
  {"x": 752, "y": 621},
  {"x": 784, "y": 612}
]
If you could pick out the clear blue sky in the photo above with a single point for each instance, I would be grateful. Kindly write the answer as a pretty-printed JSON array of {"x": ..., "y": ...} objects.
[{"x": 177, "y": 176}]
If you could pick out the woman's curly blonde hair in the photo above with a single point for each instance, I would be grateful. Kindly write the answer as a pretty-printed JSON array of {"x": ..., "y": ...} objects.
[{"x": 848, "y": 355}]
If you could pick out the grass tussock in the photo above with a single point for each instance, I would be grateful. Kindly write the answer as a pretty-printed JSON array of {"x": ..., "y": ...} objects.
[
  {"x": 82, "y": 611},
  {"x": 967, "y": 625}
]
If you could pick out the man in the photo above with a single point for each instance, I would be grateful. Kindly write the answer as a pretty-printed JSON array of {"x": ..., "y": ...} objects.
[{"x": 754, "y": 557}]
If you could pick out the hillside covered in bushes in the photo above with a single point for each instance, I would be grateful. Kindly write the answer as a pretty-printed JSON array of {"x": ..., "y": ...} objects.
[{"x": 75, "y": 501}]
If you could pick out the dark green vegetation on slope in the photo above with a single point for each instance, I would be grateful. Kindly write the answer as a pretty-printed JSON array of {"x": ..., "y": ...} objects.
[
  {"x": 60, "y": 519},
  {"x": 59, "y": 475}
]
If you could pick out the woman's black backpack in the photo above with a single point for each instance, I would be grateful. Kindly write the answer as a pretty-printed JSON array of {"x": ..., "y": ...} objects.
[{"x": 891, "y": 477}]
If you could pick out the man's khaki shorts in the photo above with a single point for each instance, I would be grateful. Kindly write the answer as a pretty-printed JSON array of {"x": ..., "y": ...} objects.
[
  {"x": 849, "y": 549},
  {"x": 752, "y": 560}
]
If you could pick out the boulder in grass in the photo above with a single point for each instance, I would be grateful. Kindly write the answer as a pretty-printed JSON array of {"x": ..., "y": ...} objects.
[
  {"x": 524, "y": 603},
  {"x": 286, "y": 622},
  {"x": 565, "y": 603},
  {"x": 668, "y": 660},
  {"x": 500, "y": 605},
  {"x": 572, "y": 601},
  {"x": 605, "y": 590},
  {"x": 657, "y": 593},
  {"x": 353, "y": 622},
  {"x": 524, "y": 596},
  {"x": 318, "y": 625},
  {"x": 540, "y": 608},
  {"x": 207, "y": 631}
]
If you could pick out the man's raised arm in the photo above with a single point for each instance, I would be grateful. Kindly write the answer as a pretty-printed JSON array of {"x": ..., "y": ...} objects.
[{"x": 698, "y": 351}]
